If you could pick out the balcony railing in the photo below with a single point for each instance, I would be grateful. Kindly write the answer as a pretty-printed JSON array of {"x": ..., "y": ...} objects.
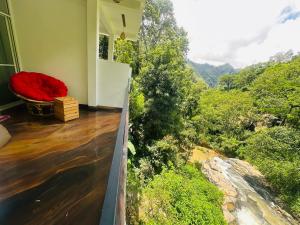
[{"x": 114, "y": 206}]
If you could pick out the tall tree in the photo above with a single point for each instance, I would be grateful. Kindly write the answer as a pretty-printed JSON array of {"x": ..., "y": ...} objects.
[{"x": 159, "y": 25}]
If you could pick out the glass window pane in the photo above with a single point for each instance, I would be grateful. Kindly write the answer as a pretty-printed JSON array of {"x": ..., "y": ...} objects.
[
  {"x": 5, "y": 94},
  {"x": 103, "y": 47},
  {"x": 5, "y": 49},
  {"x": 3, "y": 6}
]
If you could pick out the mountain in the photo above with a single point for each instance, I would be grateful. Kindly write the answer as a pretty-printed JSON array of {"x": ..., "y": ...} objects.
[{"x": 211, "y": 73}]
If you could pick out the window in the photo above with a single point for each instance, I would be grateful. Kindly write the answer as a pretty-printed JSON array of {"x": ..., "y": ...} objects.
[
  {"x": 103, "y": 46},
  {"x": 8, "y": 58}
]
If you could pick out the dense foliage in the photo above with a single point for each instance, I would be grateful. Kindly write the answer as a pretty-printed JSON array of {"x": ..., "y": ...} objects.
[
  {"x": 225, "y": 119},
  {"x": 181, "y": 198},
  {"x": 253, "y": 114},
  {"x": 277, "y": 92}
]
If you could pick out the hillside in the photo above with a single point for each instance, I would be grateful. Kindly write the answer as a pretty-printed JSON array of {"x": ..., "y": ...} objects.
[{"x": 211, "y": 73}]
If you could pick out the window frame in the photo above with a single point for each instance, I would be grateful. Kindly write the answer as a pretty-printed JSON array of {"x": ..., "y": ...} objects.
[{"x": 13, "y": 49}]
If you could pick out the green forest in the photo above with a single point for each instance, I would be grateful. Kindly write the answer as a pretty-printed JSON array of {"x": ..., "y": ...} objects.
[{"x": 252, "y": 115}]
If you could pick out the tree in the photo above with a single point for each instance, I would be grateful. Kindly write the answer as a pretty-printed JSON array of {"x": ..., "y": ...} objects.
[
  {"x": 128, "y": 52},
  {"x": 244, "y": 79},
  {"x": 227, "y": 82},
  {"x": 277, "y": 92},
  {"x": 162, "y": 80},
  {"x": 159, "y": 26},
  {"x": 125, "y": 51}
]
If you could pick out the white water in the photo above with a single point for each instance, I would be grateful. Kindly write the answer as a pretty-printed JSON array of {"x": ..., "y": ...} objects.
[{"x": 252, "y": 208}]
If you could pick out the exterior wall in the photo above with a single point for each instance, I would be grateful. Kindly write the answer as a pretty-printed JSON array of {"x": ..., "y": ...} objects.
[
  {"x": 112, "y": 83},
  {"x": 92, "y": 50},
  {"x": 51, "y": 38}
]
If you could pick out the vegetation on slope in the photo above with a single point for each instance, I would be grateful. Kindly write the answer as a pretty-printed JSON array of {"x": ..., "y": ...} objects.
[
  {"x": 182, "y": 197},
  {"x": 225, "y": 119},
  {"x": 264, "y": 128},
  {"x": 253, "y": 114}
]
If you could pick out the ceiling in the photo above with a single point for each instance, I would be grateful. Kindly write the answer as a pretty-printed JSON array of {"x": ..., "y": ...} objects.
[{"x": 111, "y": 17}]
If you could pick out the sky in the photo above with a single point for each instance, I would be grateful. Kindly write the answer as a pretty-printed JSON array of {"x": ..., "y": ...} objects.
[{"x": 239, "y": 32}]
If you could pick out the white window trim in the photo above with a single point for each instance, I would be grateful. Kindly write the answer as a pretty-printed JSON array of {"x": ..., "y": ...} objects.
[{"x": 13, "y": 48}]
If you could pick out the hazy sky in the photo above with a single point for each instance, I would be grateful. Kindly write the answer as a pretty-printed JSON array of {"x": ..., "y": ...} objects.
[{"x": 239, "y": 32}]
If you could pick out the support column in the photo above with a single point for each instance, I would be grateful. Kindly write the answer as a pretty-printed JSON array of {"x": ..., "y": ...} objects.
[
  {"x": 92, "y": 50},
  {"x": 111, "y": 47}
]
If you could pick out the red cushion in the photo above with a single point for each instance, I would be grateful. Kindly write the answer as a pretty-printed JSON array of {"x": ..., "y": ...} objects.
[{"x": 37, "y": 86}]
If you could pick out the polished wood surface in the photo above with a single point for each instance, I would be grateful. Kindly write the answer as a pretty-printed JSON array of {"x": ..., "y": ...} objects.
[{"x": 56, "y": 173}]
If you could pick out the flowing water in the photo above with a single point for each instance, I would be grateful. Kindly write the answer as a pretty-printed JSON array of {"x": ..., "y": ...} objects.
[
  {"x": 246, "y": 200},
  {"x": 254, "y": 205}
]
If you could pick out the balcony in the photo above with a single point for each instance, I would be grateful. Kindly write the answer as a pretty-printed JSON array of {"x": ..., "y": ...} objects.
[
  {"x": 64, "y": 173},
  {"x": 68, "y": 173}
]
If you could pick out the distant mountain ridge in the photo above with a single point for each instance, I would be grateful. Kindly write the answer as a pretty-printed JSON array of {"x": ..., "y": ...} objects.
[{"x": 210, "y": 73}]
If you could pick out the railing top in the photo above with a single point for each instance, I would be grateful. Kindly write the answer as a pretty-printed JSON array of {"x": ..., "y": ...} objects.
[{"x": 109, "y": 209}]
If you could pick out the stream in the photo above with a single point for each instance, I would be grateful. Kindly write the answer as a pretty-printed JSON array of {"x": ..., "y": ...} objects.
[{"x": 247, "y": 201}]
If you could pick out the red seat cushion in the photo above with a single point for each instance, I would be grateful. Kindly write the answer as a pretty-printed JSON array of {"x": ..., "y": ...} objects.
[{"x": 37, "y": 86}]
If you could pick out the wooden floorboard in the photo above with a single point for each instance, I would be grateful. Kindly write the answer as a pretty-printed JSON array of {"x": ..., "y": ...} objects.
[{"x": 56, "y": 173}]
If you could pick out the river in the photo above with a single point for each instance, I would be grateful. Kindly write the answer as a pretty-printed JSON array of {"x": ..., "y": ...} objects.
[{"x": 247, "y": 200}]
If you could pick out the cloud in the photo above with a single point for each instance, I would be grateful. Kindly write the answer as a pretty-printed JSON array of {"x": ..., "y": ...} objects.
[
  {"x": 239, "y": 32},
  {"x": 233, "y": 47},
  {"x": 289, "y": 13}
]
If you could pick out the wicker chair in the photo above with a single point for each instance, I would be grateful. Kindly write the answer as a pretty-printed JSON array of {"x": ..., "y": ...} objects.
[
  {"x": 38, "y": 91},
  {"x": 37, "y": 108}
]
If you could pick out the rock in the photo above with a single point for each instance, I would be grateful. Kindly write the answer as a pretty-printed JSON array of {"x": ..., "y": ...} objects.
[{"x": 246, "y": 195}]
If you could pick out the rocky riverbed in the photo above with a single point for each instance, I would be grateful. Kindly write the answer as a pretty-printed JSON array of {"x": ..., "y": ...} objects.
[{"x": 247, "y": 200}]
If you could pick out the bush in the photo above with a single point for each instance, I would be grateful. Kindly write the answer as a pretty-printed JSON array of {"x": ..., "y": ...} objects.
[
  {"x": 181, "y": 197},
  {"x": 163, "y": 153}
]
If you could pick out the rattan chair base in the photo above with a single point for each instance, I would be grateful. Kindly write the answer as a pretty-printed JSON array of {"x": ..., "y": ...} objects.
[{"x": 38, "y": 108}]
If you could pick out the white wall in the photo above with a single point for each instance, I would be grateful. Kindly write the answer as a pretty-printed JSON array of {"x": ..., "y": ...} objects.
[
  {"x": 112, "y": 83},
  {"x": 92, "y": 50},
  {"x": 51, "y": 38}
]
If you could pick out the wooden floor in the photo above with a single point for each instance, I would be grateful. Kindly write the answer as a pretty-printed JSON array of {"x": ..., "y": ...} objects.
[{"x": 54, "y": 173}]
